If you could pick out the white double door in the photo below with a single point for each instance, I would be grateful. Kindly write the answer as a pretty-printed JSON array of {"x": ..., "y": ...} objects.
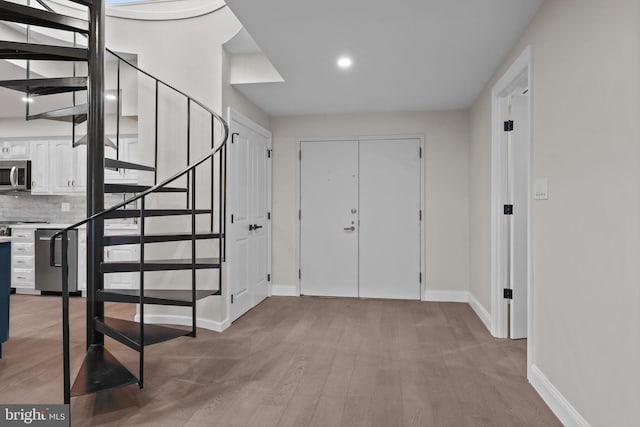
[
  {"x": 248, "y": 255},
  {"x": 360, "y": 218}
]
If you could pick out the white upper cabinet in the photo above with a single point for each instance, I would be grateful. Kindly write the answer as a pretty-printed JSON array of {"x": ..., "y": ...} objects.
[
  {"x": 62, "y": 167},
  {"x": 68, "y": 168},
  {"x": 14, "y": 150},
  {"x": 40, "y": 179}
]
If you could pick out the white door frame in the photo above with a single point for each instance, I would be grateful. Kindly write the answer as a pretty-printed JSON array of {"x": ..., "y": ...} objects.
[
  {"x": 235, "y": 116},
  {"x": 423, "y": 285},
  {"x": 519, "y": 70}
]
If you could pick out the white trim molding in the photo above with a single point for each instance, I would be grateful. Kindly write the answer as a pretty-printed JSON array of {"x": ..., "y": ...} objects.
[
  {"x": 155, "y": 10},
  {"x": 559, "y": 405},
  {"x": 519, "y": 71},
  {"x": 184, "y": 321},
  {"x": 290, "y": 290},
  {"x": 446, "y": 296},
  {"x": 480, "y": 311}
]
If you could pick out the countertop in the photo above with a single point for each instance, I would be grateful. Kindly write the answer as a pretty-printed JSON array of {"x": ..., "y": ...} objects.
[
  {"x": 5, "y": 239},
  {"x": 127, "y": 226}
]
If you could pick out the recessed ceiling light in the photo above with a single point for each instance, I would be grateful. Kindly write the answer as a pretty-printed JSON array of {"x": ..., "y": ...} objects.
[
  {"x": 25, "y": 99},
  {"x": 110, "y": 97},
  {"x": 344, "y": 62}
]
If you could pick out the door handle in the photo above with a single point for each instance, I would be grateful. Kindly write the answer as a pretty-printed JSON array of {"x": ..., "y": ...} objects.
[
  {"x": 254, "y": 227},
  {"x": 13, "y": 176},
  {"x": 352, "y": 228}
]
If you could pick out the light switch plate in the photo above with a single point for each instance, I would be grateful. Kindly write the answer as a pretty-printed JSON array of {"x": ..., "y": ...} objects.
[
  {"x": 66, "y": 207},
  {"x": 541, "y": 188}
]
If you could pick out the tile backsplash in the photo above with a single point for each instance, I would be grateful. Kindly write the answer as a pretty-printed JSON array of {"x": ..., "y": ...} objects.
[{"x": 26, "y": 207}]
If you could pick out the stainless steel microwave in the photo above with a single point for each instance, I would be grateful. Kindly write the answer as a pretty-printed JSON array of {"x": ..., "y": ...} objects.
[{"x": 15, "y": 175}]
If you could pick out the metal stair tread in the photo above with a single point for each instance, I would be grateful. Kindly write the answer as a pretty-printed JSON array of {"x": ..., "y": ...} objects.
[
  {"x": 127, "y": 332},
  {"x": 76, "y": 114},
  {"x": 176, "y": 297},
  {"x": 100, "y": 370},
  {"x": 132, "y": 239},
  {"x": 39, "y": 87},
  {"x": 135, "y": 213},
  {"x": 18, "y": 50},
  {"x": 18, "y": 13},
  {"x": 137, "y": 188},
  {"x": 116, "y": 164},
  {"x": 107, "y": 142},
  {"x": 159, "y": 265}
]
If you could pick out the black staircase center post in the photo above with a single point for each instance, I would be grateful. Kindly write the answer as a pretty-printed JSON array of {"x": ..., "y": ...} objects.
[{"x": 95, "y": 168}]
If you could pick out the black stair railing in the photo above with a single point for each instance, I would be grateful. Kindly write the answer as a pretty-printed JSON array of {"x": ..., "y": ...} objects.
[{"x": 189, "y": 171}]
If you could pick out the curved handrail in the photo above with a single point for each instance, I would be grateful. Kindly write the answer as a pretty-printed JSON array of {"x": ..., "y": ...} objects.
[{"x": 164, "y": 183}]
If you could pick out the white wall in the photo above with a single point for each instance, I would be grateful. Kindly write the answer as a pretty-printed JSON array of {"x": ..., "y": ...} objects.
[
  {"x": 446, "y": 186},
  {"x": 231, "y": 97},
  {"x": 586, "y": 237}
]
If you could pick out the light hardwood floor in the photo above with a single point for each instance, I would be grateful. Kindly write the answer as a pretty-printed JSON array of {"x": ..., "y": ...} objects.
[{"x": 291, "y": 362}]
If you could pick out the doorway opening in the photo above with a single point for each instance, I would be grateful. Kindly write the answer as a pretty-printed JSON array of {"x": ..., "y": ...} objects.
[{"x": 511, "y": 311}]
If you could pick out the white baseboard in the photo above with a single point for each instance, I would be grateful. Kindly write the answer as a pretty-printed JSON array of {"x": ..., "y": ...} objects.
[
  {"x": 184, "y": 321},
  {"x": 27, "y": 291},
  {"x": 482, "y": 312},
  {"x": 446, "y": 296},
  {"x": 284, "y": 290},
  {"x": 566, "y": 413}
]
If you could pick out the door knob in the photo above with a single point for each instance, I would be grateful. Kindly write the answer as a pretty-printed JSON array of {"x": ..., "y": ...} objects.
[{"x": 352, "y": 228}]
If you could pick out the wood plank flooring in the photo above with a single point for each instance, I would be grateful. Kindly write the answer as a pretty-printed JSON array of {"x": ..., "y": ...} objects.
[{"x": 290, "y": 362}]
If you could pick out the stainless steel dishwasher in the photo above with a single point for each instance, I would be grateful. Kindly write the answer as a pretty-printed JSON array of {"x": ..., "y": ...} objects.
[{"x": 48, "y": 278}]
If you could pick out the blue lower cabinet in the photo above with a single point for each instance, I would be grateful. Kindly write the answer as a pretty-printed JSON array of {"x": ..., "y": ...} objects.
[{"x": 5, "y": 287}]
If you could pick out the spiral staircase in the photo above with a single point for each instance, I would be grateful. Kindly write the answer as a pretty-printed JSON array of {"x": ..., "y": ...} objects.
[{"x": 100, "y": 369}]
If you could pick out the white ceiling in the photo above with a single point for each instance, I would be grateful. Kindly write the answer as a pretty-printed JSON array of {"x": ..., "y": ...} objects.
[{"x": 407, "y": 54}]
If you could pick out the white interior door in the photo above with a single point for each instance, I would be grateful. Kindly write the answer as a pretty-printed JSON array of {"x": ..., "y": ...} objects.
[
  {"x": 329, "y": 218},
  {"x": 519, "y": 188},
  {"x": 249, "y": 231},
  {"x": 239, "y": 162},
  {"x": 259, "y": 210},
  {"x": 390, "y": 219}
]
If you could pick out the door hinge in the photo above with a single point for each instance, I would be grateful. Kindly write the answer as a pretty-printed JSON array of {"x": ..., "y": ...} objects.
[
  {"x": 231, "y": 298},
  {"x": 508, "y": 293},
  {"x": 420, "y": 277},
  {"x": 508, "y": 209},
  {"x": 231, "y": 218},
  {"x": 233, "y": 137},
  {"x": 268, "y": 277},
  {"x": 299, "y": 154},
  {"x": 299, "y": 214},
  {"x": 268, "y": 215},
  {"x": 299, "y": 274},
  {"x": 420, "y": 214},
  {"x": 269, "y": 150},
  {"x": 420, "y": 152},
  {"x": 508, "y": 126}
]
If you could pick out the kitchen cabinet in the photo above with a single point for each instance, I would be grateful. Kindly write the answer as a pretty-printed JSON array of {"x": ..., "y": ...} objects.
[
  {"x": 68, "y": 168},
  {"x": 14, "y": 150},
  {"x": 111, "y": 254},
  {"x": 121, "y": 253},
  {"x": 127, "y": 153},
  {"x": 40, "y": 178},
  {"x": 82, "y": 260},
  {"x": 23, "y": 257}
]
